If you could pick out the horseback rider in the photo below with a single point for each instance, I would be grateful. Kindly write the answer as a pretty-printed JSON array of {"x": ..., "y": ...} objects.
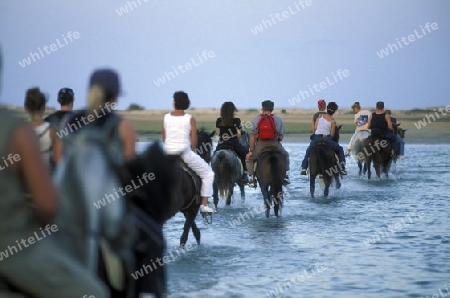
[
  {"x": 325, "y": 128},
  {"x": 400, "y": 140},
  {"x": 322, "y": 105},
  {"x": 35, "y": 106},
  {"x": 29, "y": 205},
  {"x": 380, "y": 125},
  {"x": 179, "y": 134},
  {"x": 65, "y": 99},
  {"x": 229, "y": 131},
  {"x": 268, "y": 131},
  {"x": 109, "y": 82},
  {"x": 361, "y": 121}
]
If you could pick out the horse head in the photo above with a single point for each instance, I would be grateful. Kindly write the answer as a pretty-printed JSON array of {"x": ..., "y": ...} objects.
[
  {"x": 401, "y": 132},
  {"x": 204, "y": 144},
  {"x": 336, "y": 133}
]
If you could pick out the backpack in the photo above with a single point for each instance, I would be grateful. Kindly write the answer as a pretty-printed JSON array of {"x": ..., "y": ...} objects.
[
  {"x": 91, "y": 169},
  {"x": 266, "y": 127}
]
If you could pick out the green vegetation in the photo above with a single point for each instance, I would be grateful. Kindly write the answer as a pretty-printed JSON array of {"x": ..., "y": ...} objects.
[{"x": 135, "y": 107}]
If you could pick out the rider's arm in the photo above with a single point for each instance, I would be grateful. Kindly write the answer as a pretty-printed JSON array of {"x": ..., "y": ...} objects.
[
  {"x": 56, "y": 145},
  {"x": 193, "y": 133},
  {"x": 252, "y": 142},
  {"x": 128, "y": 136},
  {"x": 238, "y": 128},
  {"x": 369, "y": 122},
  {"x": 35, "y": 173},
  {"x": 313, "y": 125},
  {"x": 316, "y": 124},
  {"x": 333, "y": 128},
  {"x": 389, "y": 122}
]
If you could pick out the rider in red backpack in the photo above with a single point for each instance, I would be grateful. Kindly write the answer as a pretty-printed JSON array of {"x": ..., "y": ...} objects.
[{"x": 267, "y": 131}]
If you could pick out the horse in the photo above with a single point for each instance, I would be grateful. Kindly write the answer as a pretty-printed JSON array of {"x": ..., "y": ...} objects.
[
  {"x": 152, "y": 204},
  {"x": 190, "y": 187},
  {"x": 270, "y": 172},
  {"x": 322, "y": 161},
  {"x": 358, "y": 146},
  {"x": 115, "y": 236},
  {"x": 228, "y": 170},
  {"x": 378, "y": 150}
]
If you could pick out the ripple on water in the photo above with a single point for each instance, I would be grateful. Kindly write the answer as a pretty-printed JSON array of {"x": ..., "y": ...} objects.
[{"x": 256, "y": 256}]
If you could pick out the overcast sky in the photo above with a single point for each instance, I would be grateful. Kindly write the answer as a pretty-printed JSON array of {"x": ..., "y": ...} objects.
[{"x": 302, "y": 51}]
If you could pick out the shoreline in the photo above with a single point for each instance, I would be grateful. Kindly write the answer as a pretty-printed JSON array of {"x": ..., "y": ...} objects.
[{"x": 432, "y": 138}]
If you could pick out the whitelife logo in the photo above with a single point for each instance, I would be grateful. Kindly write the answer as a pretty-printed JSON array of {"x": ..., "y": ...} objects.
[{"x": 49, "y": 49}]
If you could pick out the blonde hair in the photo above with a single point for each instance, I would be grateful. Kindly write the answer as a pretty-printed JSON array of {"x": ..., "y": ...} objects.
[{"x": 96, "y": 98}]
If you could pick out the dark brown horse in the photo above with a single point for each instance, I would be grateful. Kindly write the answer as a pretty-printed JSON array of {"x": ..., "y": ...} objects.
[
  {"x": 270, "y": 173},
  {"x": 377, "y": 150},
  {"x": 190, "y": 188},
  {"x": 151, "y": 205},
  {"x": 322, "y": 161}
]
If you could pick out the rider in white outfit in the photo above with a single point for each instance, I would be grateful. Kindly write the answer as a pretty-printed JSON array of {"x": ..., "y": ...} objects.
[
  {"x": 361, "y": 120},
  {"x": 180, "y": 137}
]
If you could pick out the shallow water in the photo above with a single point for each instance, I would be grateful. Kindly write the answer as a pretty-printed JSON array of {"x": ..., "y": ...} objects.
[{"x": 326, "y": 247}]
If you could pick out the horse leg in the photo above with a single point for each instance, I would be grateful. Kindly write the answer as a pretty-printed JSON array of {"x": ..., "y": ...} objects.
[
  {"x": 267, "y": 200},
  {"x": 230, "y": 194},
  {"x": 187, "y": 225},
  {"x": 278, "y": 200},
  {"x": 369, "y": 172},
  {"x": 196, "y": 232},
  {"x": 327, "y": 181},
  {"x": 360, "y": 167},
  {"x": 215, "y": 195},
  {"x": 241, "y": 188},
  {"x": 312, "y": 184},
  {"x": 338, "y": 181}
]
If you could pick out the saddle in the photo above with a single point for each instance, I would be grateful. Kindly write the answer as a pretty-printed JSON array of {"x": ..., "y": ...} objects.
[
  {"x": 324, "y": 143},
  {"x": 264, "y": 150}
]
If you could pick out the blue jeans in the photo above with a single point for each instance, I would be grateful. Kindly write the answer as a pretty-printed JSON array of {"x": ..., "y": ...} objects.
[{"x": 337, "y": 148}]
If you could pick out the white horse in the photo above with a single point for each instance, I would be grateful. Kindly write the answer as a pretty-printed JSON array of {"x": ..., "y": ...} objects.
[{"x": 356, "y": 145}]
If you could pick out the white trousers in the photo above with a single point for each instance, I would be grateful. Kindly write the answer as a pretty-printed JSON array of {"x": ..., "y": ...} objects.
[{"x": 201, "y": 168}]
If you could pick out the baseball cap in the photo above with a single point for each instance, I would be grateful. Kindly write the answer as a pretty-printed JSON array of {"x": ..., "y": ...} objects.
[
  {"x": 65, "y": 95},
  {"x": 106, "y": 78},
  {"x": 322, "y": 103}
]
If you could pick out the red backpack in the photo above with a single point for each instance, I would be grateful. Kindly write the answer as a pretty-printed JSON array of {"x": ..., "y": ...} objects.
[{"x": 266, "y": 127}]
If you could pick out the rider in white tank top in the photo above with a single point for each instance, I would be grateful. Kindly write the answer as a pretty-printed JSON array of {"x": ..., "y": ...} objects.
[
  {"x": 323, "y": 127},
  {"x": 178, "y": 133}
]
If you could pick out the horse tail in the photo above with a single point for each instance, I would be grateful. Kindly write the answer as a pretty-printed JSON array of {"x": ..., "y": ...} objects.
[
  {"x": 327, "y": 165},
  {"x": 223, "y": 174},
  {"x": 277, "y": 179}
]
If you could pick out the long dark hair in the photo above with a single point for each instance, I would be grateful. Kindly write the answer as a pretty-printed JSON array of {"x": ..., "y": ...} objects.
[{"x": 227, "y": 113}]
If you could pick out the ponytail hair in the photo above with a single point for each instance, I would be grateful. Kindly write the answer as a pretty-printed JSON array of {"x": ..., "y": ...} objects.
[
  {"x": 35, "y": 100},
  {"x": 96, "y": 98}
]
